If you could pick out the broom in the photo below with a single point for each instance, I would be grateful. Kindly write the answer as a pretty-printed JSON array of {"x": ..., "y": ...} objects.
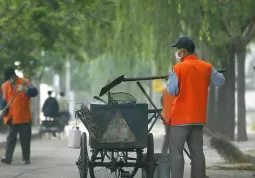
[
  {"x": 5, "y": 110},
  {"x": 85, "y": 115},
  {"x": 227, "y": 150}
]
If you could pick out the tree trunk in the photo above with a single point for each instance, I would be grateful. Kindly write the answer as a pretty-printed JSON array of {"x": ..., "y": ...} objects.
[
  {"x": 229, "y": 126},
  {"x": 241, "y": 109},
  {"x": 226, "y": 98},
  {"x": 221, "y": 109},
  {"x": 36, "y": 102}
]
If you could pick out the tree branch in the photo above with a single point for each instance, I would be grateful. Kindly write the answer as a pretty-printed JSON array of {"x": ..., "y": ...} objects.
[
  {"x": 101, "y": 22},
  {"x": 223, "y": 18},
  {"x": 19, "y": 11},
  {"x": 3, "y": 14},
  {"x": 247, "y": 27},
  {"x": 41, "y": 75},
  {"x": 6, "y": 8},
  {"x": 2, "y": 46},
  {"x": 225, "y": 21},
  {"x": 6, "y": 38},
  {"x": 249, "y": 34}
]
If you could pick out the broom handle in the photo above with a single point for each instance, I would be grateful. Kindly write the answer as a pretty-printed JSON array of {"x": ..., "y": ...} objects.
[
  {"x": 6, "y": 107},
  {"x": 12, "y": 99}
]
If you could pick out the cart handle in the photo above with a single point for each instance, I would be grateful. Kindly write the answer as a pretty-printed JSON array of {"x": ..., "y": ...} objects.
[
  {"x": 122, "y": 78},
  {"x": 154, "y": 111},
  {"x": 100, "y": 99}
]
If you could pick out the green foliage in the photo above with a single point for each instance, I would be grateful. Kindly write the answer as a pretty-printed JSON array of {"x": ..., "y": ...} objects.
[
  {"x": 79, "y": 76},
  {"x": 218, "y": 23},
  {"x": 29, "y": 27},
  {"x": 137, "y": 30},
  {"x": 106, "y": 68}
]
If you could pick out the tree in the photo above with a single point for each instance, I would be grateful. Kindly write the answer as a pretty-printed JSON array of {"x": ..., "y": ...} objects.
[
  {"x": 98, "y": 75},
  {"x": 131, "y": 31},
  {"x": 223, "y": 26},
  {"x": 219, "y": 26},
  {"x": 55, "y": 26},
  {"x": 30, "y": 27}
]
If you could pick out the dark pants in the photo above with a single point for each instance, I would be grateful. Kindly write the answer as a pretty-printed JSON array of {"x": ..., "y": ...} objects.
[{"x": 24, "y": 131}]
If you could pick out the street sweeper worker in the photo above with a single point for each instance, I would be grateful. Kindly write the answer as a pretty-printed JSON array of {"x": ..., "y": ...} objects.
[
  {"x": 18, "y": 117},
  {"x": 166, "y": 100},
  {"x": 188, "y": 83}
]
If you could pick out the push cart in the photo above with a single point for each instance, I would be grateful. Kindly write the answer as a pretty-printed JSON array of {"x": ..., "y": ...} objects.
[{"x": 119, "y": 131}]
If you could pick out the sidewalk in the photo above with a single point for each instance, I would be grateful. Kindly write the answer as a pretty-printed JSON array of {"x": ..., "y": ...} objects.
[{"x": 35, "y": 134}]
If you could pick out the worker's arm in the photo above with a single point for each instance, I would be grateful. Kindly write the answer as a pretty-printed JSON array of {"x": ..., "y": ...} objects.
[
  {"x": 31, "y": 90},
  {"x": 173, "y": 90},
  {"x": 173, "y": 84},
  {"x": 217, "y": 78}
]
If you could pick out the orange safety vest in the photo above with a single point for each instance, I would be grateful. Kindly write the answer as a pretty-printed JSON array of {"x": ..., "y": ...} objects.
[
  {"x": 189, "y": 106},
  {"x": 19, "y": 110},
  {"x": 166, "y": 108}
]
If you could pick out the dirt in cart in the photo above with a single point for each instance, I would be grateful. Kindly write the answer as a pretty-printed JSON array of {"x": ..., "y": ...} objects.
[{"x": 118, "y": 131}]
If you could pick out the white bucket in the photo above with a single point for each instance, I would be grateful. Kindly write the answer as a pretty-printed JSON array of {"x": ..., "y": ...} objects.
[{"x": 74, "y": 138}]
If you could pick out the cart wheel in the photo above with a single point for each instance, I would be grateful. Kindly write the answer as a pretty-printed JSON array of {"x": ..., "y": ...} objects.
[
  {"x": 114, "y": 163},
  {"x": 149, "y": 158},
  {"x": 83, "y": 160}
]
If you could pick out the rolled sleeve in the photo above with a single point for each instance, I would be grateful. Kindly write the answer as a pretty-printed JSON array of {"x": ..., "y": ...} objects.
[
  {"x": 31, "y": 90},
  {"x": 173, "y": 84},
  {"x": 217, "y": 78}
]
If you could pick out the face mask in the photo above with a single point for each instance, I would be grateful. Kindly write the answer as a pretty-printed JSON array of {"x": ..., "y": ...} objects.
[{"x": 178, "y": 58}]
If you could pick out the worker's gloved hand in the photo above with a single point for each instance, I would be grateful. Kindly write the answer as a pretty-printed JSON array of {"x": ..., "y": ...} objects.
[
  {"x": 22, "y": 88},
  {"x": 1, "y": 112}
]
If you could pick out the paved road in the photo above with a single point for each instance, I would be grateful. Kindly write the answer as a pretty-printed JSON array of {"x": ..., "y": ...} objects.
[{"x": 52, "y": 159}]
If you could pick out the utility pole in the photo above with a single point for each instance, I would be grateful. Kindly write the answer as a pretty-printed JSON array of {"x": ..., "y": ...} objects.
[
  {"x": 67, "y": 78},
  {"x": 69, "y": 93},
  {"x": 56, "y": 84}
]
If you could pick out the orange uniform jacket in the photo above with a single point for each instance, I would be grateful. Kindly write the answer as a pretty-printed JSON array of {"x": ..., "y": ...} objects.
[
  {"x": 189, "y": 106},
  {"x": 19, "y": 110}
]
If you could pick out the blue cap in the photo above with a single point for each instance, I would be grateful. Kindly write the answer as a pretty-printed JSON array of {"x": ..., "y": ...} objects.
[{"x": 186, "y": 43}]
